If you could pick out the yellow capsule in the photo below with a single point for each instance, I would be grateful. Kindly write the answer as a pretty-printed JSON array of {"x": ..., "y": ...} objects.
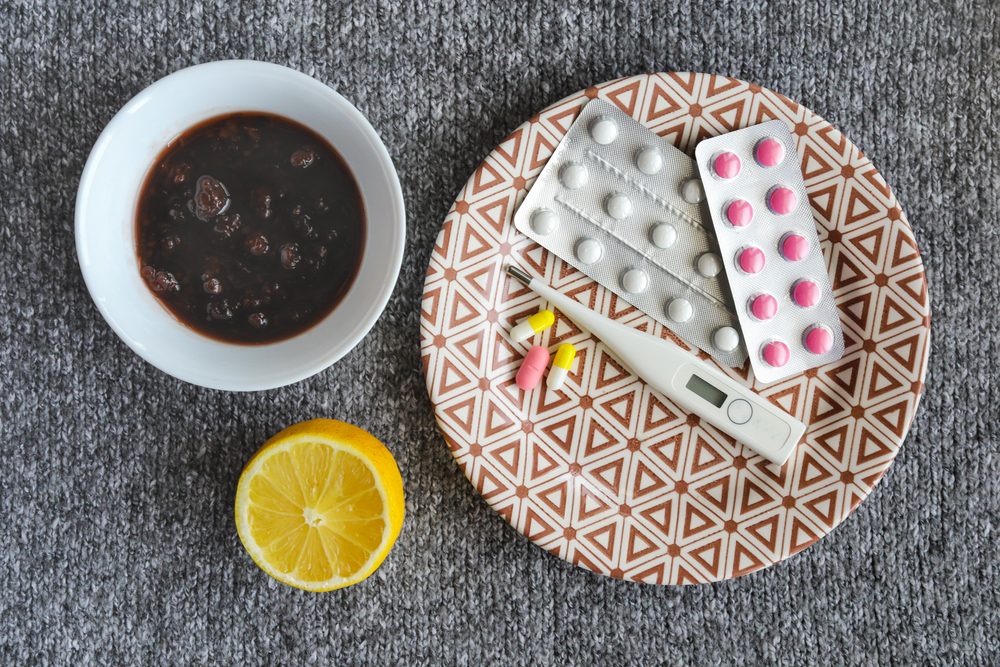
[
  {"x": 560, "y": 366},
  {"x": 564, "y": 356},
  {"x": 527, "y": 328}
]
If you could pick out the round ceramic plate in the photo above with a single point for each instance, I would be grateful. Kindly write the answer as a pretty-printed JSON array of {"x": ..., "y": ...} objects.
[{"x": 611, "y": 475}]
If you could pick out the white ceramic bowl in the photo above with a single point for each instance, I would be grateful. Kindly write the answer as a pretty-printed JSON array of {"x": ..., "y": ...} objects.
[{"x": 105, "y": 222}]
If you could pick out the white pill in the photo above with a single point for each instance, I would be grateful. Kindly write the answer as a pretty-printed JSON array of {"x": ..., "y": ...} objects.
[
  {"x": 618, "y": 206},
  {"x": 726, "y": 339},
  {"x": 574, "y": 175},
  {"x": 589, "y": 251},
  {"x": 709, "y": 264},
  {"x": 649, "y": 161},
  {"x": 664, "y": 235},
  {"x": 603, "y": 130},
  {"x": 635, "y": 281},
  {"x": 692, "y": 191},
  {"x": 544, "y": 221},
  {"x": 680, "y": 310}
]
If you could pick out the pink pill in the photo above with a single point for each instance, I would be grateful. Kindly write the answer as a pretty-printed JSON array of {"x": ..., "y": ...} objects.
[
  {"x": 805, "y": 293},
  {"x": 769, "y": 152},
  {"x": 750, "y": 259},
  {"x": 782, "y": 200},
  {"x": 726, "y": 165},
  {"x": 775, "y": 353},
  {"x": 739, "y": 212},
  {"x": 793, "y": 247},
  {"x": 763, "y": 306},
  {"x": 532, "y": 368},
  {"x": 818, "y": 339}
]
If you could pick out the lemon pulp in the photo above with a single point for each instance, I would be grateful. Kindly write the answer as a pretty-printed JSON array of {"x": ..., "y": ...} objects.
[{"x": 320, "y": 505}]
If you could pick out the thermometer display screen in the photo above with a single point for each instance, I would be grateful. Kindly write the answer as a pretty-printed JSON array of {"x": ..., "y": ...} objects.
[{"x": 706, "y": 391}]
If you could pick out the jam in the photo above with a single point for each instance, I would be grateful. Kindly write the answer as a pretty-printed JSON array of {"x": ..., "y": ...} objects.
[{"x": 250, "y": 228}]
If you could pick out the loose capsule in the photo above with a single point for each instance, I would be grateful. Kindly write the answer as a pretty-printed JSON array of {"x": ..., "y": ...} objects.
[
  {"x": 560, "y": 366},
  {"x": 532, "y": 368},
  {"x": 528, "y": 327}
]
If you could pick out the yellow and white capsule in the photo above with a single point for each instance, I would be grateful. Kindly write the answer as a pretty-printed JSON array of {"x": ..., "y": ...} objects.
[
  {"x": 560, "y": 366},
  {"x": 527, "y": 328}
]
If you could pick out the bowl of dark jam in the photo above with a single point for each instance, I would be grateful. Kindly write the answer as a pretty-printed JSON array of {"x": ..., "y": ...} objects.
[{"x": 240, "y": 225}]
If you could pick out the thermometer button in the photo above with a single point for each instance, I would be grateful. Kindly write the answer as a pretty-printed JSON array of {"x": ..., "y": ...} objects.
[{"x": 739, "y": 411}]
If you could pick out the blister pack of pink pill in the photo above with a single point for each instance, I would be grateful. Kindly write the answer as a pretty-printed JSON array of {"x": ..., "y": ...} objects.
[
  {"x": 768, "y": 243},
  {"x": 624, "y": 206}
]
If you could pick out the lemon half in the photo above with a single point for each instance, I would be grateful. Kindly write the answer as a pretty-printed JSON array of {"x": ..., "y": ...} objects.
[{"x": 320, "y": 505}]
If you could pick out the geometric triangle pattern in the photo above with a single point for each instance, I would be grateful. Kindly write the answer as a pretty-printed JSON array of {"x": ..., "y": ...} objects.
[{"x": 612, "y": 476}]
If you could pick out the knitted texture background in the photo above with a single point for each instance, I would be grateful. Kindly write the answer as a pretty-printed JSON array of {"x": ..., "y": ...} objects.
[{"x": 117, "y": 542}]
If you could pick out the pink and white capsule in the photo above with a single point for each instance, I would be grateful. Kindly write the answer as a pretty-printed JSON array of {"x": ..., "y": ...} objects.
[
  {"x": 561, "y": 364},
  {"x": 529, "y": 326},
  {"x": 532, "y": 368}
]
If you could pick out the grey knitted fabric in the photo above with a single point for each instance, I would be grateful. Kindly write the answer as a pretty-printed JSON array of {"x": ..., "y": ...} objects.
[{"x": 117, "y": 543}]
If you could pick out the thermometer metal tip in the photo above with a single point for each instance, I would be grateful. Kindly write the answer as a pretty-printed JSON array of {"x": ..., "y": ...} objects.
[{"x": 517, "y": 273}]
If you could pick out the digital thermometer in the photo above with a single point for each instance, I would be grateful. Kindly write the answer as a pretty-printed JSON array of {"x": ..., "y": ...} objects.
[{"x": 690, "y": 382}]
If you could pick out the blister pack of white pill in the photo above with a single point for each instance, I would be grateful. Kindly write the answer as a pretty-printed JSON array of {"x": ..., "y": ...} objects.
[
  {"x": 623, "y": 206},
  {"x": 764, "y": 226}
]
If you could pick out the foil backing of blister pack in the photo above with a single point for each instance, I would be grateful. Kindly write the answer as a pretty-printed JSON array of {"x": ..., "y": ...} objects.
[
  {"x": 578, "y": 214},
  {"x": 767, "y": 230}
]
